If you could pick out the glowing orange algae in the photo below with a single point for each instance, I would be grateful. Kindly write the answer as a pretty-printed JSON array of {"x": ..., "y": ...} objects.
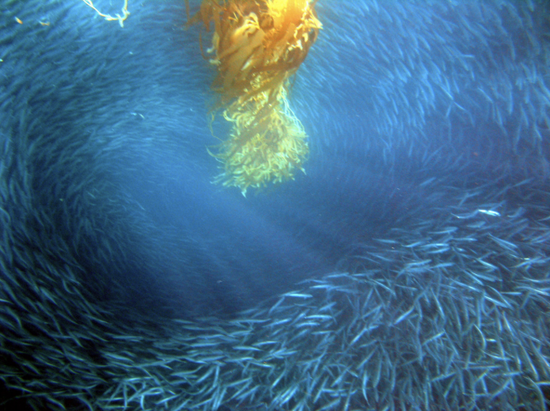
[{"x": 257, "y": 46}]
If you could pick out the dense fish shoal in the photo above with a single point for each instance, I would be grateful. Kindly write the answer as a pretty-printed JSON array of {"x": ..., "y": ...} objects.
[{"x": 408, "y": 268}]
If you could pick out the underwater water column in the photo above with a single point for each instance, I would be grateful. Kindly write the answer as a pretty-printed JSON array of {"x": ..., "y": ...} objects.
[{"x": 408, "y": 269}]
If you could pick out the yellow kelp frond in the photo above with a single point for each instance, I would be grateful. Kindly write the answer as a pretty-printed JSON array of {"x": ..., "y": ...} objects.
[
  {"x": 262, "y": 148},
  {"x": 257, "y": 46},
  {"x": 108, "y": 17}
]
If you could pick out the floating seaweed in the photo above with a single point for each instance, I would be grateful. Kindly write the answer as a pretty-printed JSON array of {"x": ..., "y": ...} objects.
[{"x": 257, "y": 47}]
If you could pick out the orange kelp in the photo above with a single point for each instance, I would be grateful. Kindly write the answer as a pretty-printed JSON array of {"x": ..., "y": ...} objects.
[{"x": 258, "y": 46}]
